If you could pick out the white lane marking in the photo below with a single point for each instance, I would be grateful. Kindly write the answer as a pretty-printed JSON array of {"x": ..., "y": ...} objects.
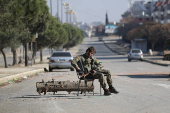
[{"x": 163, "y": 85}]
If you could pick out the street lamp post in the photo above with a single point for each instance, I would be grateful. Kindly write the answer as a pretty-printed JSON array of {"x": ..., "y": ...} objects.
[
  {"x": 58, "y": 10},
  {"x": 51, "y": 6},
  {"x": 71, "y": 12},
  {"x": 67, "y": 10},
  {"x": 61, "y": 11},
  {"x": 74, "y": 17}
]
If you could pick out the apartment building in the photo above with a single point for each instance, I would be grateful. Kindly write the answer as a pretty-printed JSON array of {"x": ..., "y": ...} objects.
[
  {"x": 161, "y": 12},
  {"x": 142, "y": 11},
  {"x": 142, "y": 8}
]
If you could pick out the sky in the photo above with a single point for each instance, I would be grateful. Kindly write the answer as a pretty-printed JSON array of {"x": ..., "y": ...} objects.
[{"x": 93, "y": 10}]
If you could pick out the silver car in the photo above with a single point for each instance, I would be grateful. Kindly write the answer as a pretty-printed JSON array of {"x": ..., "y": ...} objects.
[
  {"x": 136, "y": 54},
  {"x": 60, "y": 60}
]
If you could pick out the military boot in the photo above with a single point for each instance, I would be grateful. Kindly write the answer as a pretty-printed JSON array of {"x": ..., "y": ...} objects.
[
  {"x": 113, "y": 90},
  {"x": 106, "y": 92}
]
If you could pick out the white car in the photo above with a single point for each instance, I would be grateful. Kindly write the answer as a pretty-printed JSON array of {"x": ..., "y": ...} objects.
[
  {"x": 60, "y": 60},
  {"x": 136, "y": 54}
]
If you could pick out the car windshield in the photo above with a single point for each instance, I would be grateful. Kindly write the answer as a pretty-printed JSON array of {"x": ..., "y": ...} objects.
[
  {"x": 61, "y": 55},
  {"x": 135, "y": 51}
]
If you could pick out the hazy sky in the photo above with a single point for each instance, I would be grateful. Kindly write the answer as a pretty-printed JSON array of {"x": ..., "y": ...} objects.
[{"x": 93, "y": 10}]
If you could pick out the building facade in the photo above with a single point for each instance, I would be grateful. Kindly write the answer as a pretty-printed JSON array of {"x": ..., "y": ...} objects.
[
  {"x": 161, "y": 12},
  {"x": 142, "y": 8}
]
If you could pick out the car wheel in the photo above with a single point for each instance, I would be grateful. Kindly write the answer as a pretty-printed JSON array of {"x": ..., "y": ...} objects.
[
  {"x": 129, "y": 60},
  {"x": 141, "y": 59},
  {"x": 50, "y": 69},
  {"x": 71, "y": 69}
]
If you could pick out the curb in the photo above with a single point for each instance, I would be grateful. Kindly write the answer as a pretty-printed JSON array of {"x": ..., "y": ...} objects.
[
  {"x": 161, "y": 64},
  {"x": 19, "y": 75},
  {"x": 112, "y": 49}
]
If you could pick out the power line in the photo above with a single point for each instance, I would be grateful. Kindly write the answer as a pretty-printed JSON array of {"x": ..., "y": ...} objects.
[{"x": 89, "y": 14}]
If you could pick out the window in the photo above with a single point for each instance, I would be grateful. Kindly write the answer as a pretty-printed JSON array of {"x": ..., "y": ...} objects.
[
  {"x": 135, "y": 51},
  {"x": 61, "y": 54}
]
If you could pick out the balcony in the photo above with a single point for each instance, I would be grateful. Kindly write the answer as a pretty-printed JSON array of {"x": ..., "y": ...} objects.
[
  {"x": 168, "y": 11},
  {"x": 156, "y": 13},
  {"x": 168, "y": 20},
  {"x": 165, "y": 13},
  {"x": 156, "y": 20}
]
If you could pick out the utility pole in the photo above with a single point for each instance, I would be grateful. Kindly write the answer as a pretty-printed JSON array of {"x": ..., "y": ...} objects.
[
  {"x": 67, "y": 11},
  {"x": 58, "y": 10},
  {"x": 70, "y": 17},
  {"x": 74, "y": 17},
  {"x": 51, "y": 6},
  {"x": 61, "y": 11},
  {"x": 71, "y": 12}
]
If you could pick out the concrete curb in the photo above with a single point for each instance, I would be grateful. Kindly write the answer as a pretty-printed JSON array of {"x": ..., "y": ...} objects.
[
  {"x": 150, "y": 61},
  {"x": 113, "y": 50},
  {"x": 19, "y": 75}
]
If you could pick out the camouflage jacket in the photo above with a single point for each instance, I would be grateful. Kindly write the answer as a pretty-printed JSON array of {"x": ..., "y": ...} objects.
[{"x": 87, "y": 63}]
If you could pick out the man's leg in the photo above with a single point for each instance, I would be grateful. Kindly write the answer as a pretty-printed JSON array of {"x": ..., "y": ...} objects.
[
  {"x": 109, "y": 80},
  {"x": 108, "y": 76},
  {"x": 102, "y": 81}
]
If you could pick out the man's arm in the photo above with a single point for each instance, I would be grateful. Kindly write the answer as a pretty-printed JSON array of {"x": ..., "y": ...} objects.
[
  {"x": 74, "y": 62},
  {"x": 96, "y": 62}
]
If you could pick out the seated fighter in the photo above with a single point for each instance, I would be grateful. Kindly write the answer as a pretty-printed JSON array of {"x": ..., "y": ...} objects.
[{"x": 92, "y": 68}]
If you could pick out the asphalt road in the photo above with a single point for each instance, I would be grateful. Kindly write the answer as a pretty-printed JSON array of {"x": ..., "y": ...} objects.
[{"x": 140, "y": 91}]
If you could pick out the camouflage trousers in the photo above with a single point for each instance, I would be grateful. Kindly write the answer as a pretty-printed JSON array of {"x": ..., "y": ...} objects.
[{"x": 101, "y": 76}]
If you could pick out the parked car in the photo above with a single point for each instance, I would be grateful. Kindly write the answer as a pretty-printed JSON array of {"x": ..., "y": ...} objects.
[
  {"x": 136, "y": 54},
  {"x": 60, "y": 60}
]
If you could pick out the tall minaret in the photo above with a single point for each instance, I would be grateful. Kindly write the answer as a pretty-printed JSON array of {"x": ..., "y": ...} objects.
[{"x": 107, "y": 21}]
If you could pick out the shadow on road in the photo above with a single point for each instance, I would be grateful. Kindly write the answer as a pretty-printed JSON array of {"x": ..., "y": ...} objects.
[
  {"x": 56, "y": 96},
  {"x": 100, "y": 44},
  {"x": 43, "y": 96},
  {"x": 94, "y": 41},
  {"x": 56, "y": 70},
  {"x": 110, "y": 57},
  {"x": 146, "y": 76}
]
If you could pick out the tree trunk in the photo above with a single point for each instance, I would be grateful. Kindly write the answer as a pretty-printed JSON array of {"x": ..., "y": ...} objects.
[
  {"x": 5, "y": 60},
  {"x": 26, "y": 57},
  {"x": 34, "y": 51},
  {"x": 153, "y": 44},
  {"x": 15, "y": 58},
  {"x": 41, "y": 56},
  {"x": 23, "y": 50}
]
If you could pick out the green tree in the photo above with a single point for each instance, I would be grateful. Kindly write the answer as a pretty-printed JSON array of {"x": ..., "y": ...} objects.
[
  {"x": 49, "y": 36},
  {"x": 63, "y": 39},
  {"x": 10, "y": 27},
  {"x": 35, "y": 17},
  {"x": 75, "y": 36}
]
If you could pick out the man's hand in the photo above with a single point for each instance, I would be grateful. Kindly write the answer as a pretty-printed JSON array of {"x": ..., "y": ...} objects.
[
  {"x": 93, "y": 71},
  {"x": 80, "y": 71}
]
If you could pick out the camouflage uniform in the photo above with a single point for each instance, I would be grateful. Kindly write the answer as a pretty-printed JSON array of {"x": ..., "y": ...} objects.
[{"x": 89, "y": 64}]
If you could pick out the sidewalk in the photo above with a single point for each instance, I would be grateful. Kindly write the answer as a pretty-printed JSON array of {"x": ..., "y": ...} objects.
[
  {"x": 16, "y": 72},
  {"x": 111, "y": 43}
]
